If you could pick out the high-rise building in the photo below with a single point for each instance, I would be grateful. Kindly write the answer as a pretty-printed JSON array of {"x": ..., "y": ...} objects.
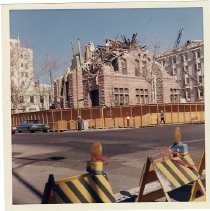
[
  {"x": 26, "y": 95},
  {"x": 186, "y": 63}
]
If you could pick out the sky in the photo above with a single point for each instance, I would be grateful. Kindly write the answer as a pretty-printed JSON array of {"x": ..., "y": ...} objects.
[{"x": 50, "y": 32}]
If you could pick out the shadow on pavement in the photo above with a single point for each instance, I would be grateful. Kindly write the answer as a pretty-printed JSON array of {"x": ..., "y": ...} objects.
[{"x": 28, "y": 185}]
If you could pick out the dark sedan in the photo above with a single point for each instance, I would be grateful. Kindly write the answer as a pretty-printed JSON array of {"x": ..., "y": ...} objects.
[{"x": 32, "y": 126}]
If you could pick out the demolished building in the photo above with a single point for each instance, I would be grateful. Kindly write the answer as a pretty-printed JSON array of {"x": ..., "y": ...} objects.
[{"x": 117, "y": 73}]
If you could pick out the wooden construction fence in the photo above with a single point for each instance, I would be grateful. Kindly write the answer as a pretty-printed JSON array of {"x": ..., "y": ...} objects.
[{"x": 110, "y": 117}]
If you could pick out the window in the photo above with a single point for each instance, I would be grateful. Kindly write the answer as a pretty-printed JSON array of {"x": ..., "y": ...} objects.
[
  {"x": 21, "y": 56},
  {"x": 121, "y": 96},
  {"x": 21, "y": 64},
  {"x": 186, "y": 68},
  {"x": 174, "y": 71},
  {"x": 116, "y": 90},
  {"x": 121, "y": 99},
  {"x": 188, "y": 93},
  {"x": 201, "y": 93},
  {"x": 187, "y": 81},
  {"x": 31, "y": 99},
  {"x": 137, "y": 99},
  {"x": 26, "y": 74},
  {"x": 126, "y": 90},
  {"x": 124, "y": 66},
  {"x": 198, "y": 54},
  {"x": 175, "y": 96},
  {"x": 142, "y": 96},
  {"x": 21, "y": 99},
  {"x": 26, "y": 66},
  {"x": 137, "y": 68},
  {"x": 200, "y": 79},
  {"x": 117, "y": 100},
  {"x": 144, "y": 71},
  {"x": 126, "y": 99},
  {"x": 174, "y": 60},
  {"x": 146, "y": 99},
  {"x": 142, "y": 99},
  {"x": 185, "y": 57},
  {"x": 163, "y": 63},
  {"x": 41, "y": 99},
  {"x": 198, "y": 65}
]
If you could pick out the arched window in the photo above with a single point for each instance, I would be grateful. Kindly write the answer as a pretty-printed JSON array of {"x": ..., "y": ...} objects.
[
  {"x": 124, "y": 66},
  {"x": 137, "y": 68}
]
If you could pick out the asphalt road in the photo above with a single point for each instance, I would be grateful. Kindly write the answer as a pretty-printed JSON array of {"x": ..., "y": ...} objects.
[{"x": 37, "y": 155}]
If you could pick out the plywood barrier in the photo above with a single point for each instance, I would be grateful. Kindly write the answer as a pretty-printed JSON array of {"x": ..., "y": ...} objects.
[
  {"x": 168, "y": 119},
  {"x": 109, "y": 122},
  {"x": 145, "y": 120},
  {"x": 91, "y": 123},
  {"x": 181, "y": 117},
  {"x": 99, "y": 123},
  {"x": 154, "y": 118},
  {"x": 187, "y": 117},
  {"x": 62, "y": 125},
  {"x": 131, "y": 122},
  {"x": 119, "y": 122},
  {"x": 175, "y": 117},
  {"x": 202, "y": 116},
  {"x": 137, "y": 121},
  {"x": 194, "y": 117},
  {"x": 73, "y": 125},
  {"x": 199, "y": 116}
]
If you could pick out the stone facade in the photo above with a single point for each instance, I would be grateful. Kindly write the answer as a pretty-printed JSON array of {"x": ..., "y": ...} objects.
[
  {"x": 187, "y": 65},
  {"x": 123, "y": 76}
]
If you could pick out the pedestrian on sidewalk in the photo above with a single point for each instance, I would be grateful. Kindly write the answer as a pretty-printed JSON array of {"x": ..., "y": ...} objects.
[
  {"x": 79, "y": 123},
  {"x": 162, "y": 117}
]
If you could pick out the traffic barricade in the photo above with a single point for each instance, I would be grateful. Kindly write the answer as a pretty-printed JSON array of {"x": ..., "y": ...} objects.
[
  {"x": 173, "y": 170},
  {"x": 91, "y": 187},
  {"x": 195, "y": 188},
  {"x": 171, "y": 173}
]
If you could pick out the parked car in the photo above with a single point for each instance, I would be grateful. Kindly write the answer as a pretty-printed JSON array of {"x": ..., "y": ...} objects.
[
  {"x": 32, "y": 126},
  {"x": 13, "y": 129}
]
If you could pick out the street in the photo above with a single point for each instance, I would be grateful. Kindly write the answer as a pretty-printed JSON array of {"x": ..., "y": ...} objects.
[{"x": 35, "y": 156}]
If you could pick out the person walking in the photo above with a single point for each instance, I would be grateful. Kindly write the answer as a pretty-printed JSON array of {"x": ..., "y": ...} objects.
[
  {"x": 162, "y": 117},
  {"x": 79, "y": 123}
]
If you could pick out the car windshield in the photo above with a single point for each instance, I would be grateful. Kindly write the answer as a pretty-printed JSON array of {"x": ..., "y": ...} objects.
[{"x": 33, "y": 121}]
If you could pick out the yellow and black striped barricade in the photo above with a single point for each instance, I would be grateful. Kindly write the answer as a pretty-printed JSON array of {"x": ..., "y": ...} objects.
[
  {"x": 87, "y": 188},
  {"x": 196, "y": 188},
  {"x": 92, "y": 187},
  {"x": 171, "y": 172}
]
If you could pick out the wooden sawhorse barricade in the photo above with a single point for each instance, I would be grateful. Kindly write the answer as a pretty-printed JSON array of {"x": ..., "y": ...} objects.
[{"x": 172, "y": 172}]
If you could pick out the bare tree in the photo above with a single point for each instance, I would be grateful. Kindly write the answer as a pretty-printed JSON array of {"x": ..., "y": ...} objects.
[{"x": 51, "y": 68}]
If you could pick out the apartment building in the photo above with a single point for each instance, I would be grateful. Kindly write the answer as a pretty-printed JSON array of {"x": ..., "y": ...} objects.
[
  {"x": 26, "y": 94},
  {"x": 187, "y": 65}
]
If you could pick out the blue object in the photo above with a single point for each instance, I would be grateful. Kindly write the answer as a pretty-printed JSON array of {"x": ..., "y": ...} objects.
[{"x": 181, "y": 148}]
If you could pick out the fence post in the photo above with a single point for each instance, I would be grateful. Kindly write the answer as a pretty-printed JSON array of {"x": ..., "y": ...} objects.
[
  {"x": 178, "y": 112},
  {"x": 196, "y": 111},
  {"x": 157, "y": 114},
  {"x": 141, "y": 114},
  {"x": 190, "y": 114},
  {"x": 52, "y": 119},
  {"x": 46, "y": 116},
  {"x": 171, "y": 114}
]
